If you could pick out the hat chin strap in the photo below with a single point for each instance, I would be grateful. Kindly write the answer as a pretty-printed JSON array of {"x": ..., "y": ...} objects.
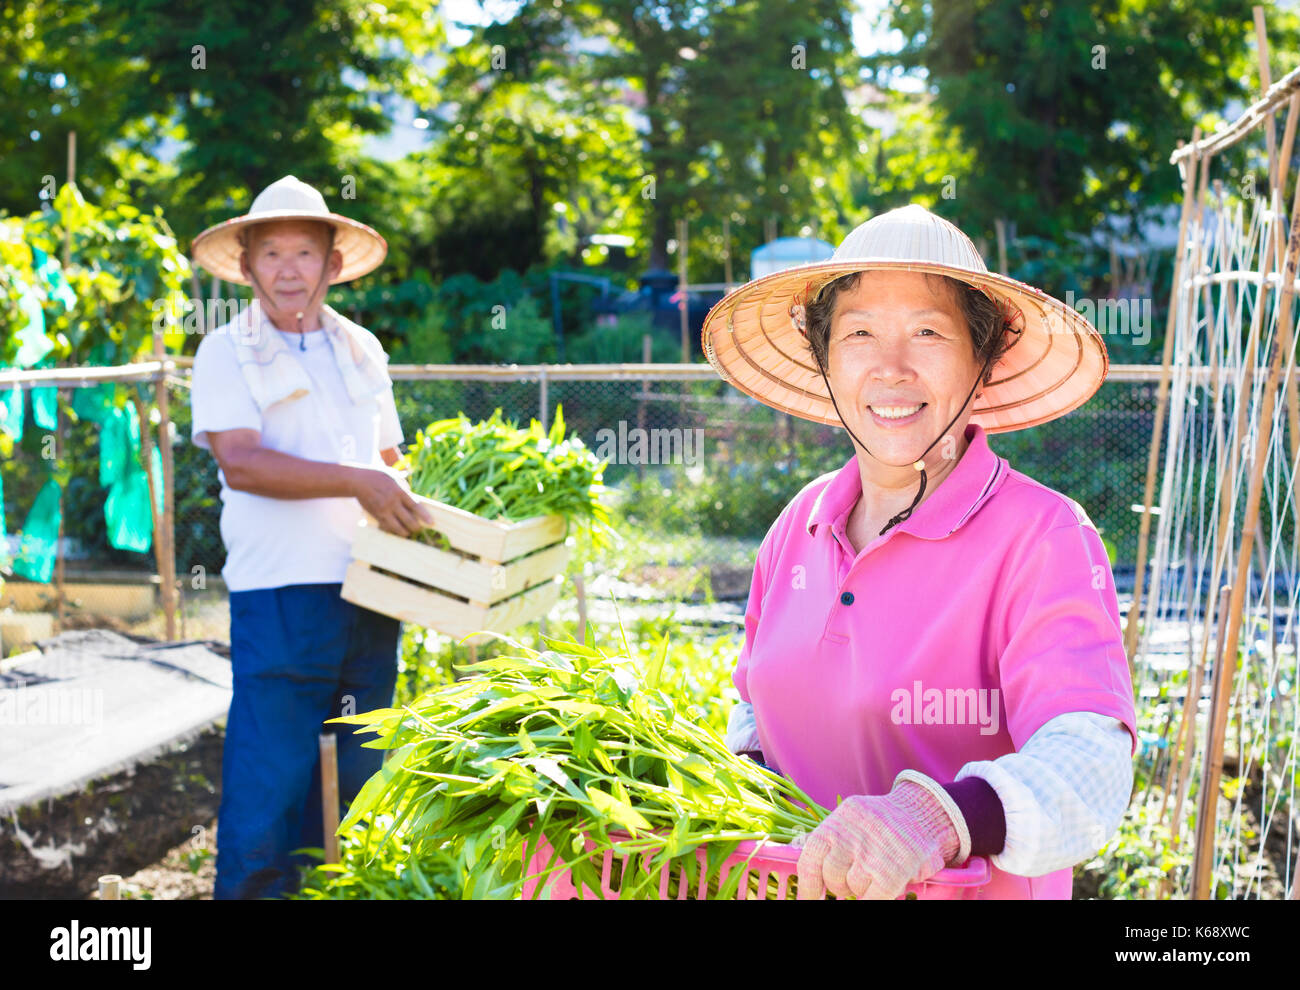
[
  {"x": 316, "y": 295},
  {"x": 919, "y": 463}
]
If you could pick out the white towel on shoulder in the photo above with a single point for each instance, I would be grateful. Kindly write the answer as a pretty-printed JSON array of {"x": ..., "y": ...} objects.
[{"x": 274, "y": 374}]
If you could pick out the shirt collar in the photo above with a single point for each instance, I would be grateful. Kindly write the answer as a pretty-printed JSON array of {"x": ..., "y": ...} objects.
[{"x": 945, "y": 509}]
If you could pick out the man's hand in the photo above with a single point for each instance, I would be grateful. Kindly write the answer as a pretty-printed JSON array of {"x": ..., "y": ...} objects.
[
  {"x": 874, "y": 846},
  {"x": 384, "y": 494},
  {"x": 382, "y": 491}
]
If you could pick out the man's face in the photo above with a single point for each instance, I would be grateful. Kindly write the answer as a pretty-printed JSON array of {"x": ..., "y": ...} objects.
[{"x": 288, "y": 257}]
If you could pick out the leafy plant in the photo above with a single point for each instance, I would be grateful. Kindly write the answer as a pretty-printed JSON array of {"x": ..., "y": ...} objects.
[
  {"x": 498, "y": 471},
  {"x": 566, "y": 745}
]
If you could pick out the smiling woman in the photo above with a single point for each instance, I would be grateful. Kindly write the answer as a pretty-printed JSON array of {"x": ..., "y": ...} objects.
[
  {"x": 980, "y": 585},
  {"x": 886, "y": 322}
]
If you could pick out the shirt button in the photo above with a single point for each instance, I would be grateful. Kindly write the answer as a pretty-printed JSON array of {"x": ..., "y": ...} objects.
[{"x": 847, "y": 598}]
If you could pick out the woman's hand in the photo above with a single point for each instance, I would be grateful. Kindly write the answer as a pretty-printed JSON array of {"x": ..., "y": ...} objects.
[
  {"x": 383, "y": 493},
  {"x": 874, "y": 846}
]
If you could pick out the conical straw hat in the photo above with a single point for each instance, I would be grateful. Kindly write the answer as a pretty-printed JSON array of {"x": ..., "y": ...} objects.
[
  {"x": 217, "y": 249},
  {"x": 755, "y": 340}
]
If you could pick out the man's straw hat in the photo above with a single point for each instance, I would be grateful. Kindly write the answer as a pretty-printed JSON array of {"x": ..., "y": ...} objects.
[
  {"x": 217, "y": 249},
  {"x": 755, "y": 336}
]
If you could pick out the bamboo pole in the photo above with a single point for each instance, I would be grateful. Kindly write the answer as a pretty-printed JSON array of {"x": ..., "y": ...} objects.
[
  {"x": 1277, "y": 169},
  {"x": 196, "y": 294},
  {"x": 72, "y": 178},
  {"x": 140, "y": 371},
  {"x": 1228, "y": 664},
  {"x": 147, "y": 371},
  {"x": 146, "y": 462},
  {"x": 1226, "y": 137},
  {"x": 1288, "y": 141},
  {"x": 1001, "y": 227},
  {"x": 1215, "y": 604},
  {"x": 60, "y": 602},
  {"x": 1265, "y": 81},
  {"x": 1208, "y": 798},
  {"x": 110, "y": 887},
  {"x": 166, "y": 556},
  {"x": 1191, "y": 703},
  {"x": 329, "y": 793},
  {"x": 726, "y": 251},
  {"x": 1169, "y": 718},
  {"x": 1162, "y": 395},
  {"x": 1184, "y": 765},
  {"x": 685, "y": 305},
  {"x": 640, "y": 403},
  {"x": 1177, "y": 775},
  {"x": 1197, "y": 244},
  {"x": 1226, "y": 499}
]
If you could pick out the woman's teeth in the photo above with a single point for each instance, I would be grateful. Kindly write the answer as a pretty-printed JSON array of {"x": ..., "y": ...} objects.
[{"x": 895, "y": 412}]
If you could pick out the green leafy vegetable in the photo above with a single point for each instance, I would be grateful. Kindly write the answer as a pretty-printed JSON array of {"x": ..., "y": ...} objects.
[
  {"x": 570, "y": 745},
  {"x": 496, "y": 470}
]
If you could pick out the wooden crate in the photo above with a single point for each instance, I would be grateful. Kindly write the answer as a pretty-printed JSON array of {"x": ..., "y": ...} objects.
[{"x": 509, "y": 577}]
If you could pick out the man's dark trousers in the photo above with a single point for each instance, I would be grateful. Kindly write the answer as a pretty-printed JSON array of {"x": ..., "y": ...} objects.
[{"x": 300, "y": 655}]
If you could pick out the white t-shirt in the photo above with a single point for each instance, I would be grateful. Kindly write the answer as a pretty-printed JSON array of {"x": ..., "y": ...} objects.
[{"x": 272, "y": 542}]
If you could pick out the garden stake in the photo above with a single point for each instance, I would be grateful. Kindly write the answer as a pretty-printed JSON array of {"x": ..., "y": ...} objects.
[
  {"x": 1203, "y": 866},
  {"x": 329, "y": 792},
  {"x": 1162, "y": 397},
  {"x": 1180, "y": 763}
]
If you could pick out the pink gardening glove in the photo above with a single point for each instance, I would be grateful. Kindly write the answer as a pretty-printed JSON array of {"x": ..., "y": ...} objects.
[{"x": 874, "y": 846}]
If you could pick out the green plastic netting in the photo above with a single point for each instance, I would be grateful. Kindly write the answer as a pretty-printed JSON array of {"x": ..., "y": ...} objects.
[
  {"x": 40, "y": 533},
  {"x": 127, "y": 513}
]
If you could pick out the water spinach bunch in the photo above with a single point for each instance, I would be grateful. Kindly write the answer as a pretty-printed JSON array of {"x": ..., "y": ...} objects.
[
  {"x": 576, "y": 746},
  {"x": 496, "y": 470}
]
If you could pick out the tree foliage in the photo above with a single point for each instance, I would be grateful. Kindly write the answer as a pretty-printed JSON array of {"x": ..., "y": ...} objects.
[{"x": 1066, "y": 113}]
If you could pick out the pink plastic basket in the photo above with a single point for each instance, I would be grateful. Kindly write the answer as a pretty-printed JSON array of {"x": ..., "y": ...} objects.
[{"x": 773, "y": 863}]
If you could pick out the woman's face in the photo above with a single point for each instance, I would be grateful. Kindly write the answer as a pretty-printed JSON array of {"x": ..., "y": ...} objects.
[{"x": 901, "y": 366}]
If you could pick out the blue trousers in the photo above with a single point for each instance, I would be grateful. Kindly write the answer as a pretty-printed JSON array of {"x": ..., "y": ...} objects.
[{"x": 300, "y": 654}]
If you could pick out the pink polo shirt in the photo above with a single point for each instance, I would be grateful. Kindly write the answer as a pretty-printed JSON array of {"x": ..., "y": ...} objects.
[{"x": 952, "y": 638}]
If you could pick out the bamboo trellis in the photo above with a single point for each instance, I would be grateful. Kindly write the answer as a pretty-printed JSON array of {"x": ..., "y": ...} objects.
[{"x": 1229, "y": 350}]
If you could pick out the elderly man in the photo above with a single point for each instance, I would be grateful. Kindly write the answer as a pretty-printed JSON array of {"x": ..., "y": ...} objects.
[{"x": 295, "y": 403}]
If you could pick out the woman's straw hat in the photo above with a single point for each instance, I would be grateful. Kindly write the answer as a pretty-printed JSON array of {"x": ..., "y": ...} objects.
[
  {"x": 755, "y": 337},
  {"x": 217, "y": 249}
]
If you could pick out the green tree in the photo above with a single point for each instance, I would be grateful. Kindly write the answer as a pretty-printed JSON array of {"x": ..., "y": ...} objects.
[
  {"x": 51, "y": 84},
  {"x": 533, "y": 153},
  {"x": 770, "y": 120},
  {"x": 252, "y": 90},
  {"x": 740, "y": 109},
  {"x": 1067, "y": 112},
  {"x": 741, "y": 100}
]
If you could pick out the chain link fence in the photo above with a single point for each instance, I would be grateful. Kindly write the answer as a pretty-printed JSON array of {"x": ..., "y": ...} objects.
[{"x": 696, "y": 469}]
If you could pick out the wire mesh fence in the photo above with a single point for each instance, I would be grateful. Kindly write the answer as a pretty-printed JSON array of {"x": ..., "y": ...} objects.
[
  {"x": 698, "y": 457},
  {"x": 688, "y": 457}
]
